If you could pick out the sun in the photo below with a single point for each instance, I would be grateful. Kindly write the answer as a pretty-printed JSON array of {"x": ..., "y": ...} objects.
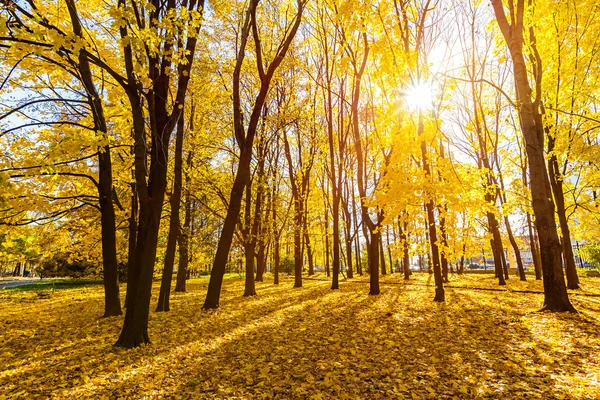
[{"x": 418, "y": 96}]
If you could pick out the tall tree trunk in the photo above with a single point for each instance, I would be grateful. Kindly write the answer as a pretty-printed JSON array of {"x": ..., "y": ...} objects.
[
  {"x": 443, "y": 258},
  {"x": 496, "y": 244},
  {"x": 249, "y": 242},
  {"x": 373, "y": 256},
  {"x": 349, "y": 251},
  {"x": 132, "y": 230},
  {"x": 112, "y": 302},
  {"x": 389, "y": 249},
  {"x": 327, "y": 241},
  {"x": 559, "y": 199},
  {"x": 276, "y": 254},
  {"x": 309, "y": 251},
  {"x": 555, "y": 290},
  {"x": 357, "y": 255},
  {"x": 167, "y": 275},
  {"x": 403, "y": 233},
  {"x": 245, "y": 139},
  {"x": 382, "y": 255},
  {"x": 184, "y": 236},
  {"x": 432, "y": 231},
  {"x": 511, "y": 237}
]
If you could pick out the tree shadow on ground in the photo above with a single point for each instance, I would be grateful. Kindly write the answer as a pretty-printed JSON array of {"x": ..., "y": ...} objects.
[{"x": 301, "y": 343}]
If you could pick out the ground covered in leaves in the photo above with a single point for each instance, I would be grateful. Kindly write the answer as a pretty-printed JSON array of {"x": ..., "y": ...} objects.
[{"x": 308, "y": 343}]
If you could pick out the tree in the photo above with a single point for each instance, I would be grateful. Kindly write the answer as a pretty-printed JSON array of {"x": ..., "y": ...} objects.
[
  {"x": 245, "y": 134},
  {"x": 555, "y": 291}
]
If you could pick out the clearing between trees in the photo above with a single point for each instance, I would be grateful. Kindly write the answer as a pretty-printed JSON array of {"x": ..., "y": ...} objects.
[{"x": 310, "y": 342}]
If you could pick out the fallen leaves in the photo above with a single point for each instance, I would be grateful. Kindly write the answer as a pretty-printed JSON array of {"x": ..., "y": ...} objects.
[{"x": 307, "y": 343}]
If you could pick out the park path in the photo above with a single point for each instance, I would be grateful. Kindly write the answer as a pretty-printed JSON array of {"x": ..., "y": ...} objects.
[{"x": 9, "y": 284}]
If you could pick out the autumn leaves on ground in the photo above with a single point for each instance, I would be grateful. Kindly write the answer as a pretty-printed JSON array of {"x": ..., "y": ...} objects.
[{"x": 310, "y": 342}]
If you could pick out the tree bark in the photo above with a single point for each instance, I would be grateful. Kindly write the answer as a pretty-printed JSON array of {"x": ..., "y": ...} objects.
[
  {"x": 559, "y": 199},
  {"x": 112, "y": 302},
  {"x": 245, "y": 140},
  {"x": 555, "y": 291},
  {"x": 174, "y": 222},
  {"x": 184, "y": 236}
]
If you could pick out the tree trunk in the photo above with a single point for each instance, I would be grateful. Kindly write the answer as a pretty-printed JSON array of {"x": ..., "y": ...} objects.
[
  {"x": 167, "y": 275},
  {"x": 327, "y": 241},
  {"x": 112, "y": 302},
  {"x": 249, "y": 243},
  {"x": 373, "y": 255},
  {"x": 496, "y": 244},
  {"x": 184, "y": 236},
  {"x": 382, "y": 255},
  {"x": 132, "y": 229},
  {"x": 276, "y": 255},
  {"x": 404, "y": 240},
  {"x": 555, "y": 290},
  {"x": 443, "y": 258},
  {"x": 389, "y": 249},
  {"x": 559, "y": 198},
  {"x": 245, "y": 141}
]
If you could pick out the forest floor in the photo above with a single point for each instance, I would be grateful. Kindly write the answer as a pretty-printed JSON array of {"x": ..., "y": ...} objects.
[{"x": 307, "y": 343}]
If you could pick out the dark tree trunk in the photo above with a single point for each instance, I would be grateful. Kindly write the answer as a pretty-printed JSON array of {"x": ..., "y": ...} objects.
[
  {"x": 174, "y": 222},
  {"x": 382, "y": 255},
  {"x": 559, "y": 199},
  {"x": 431, "y": 231},
  {"x": 151, "y": 192},
  {"x": 327, "y": 241},
  {"x": 309, "y": 252},
  {"x": 496, "y": 244},
  {"x": 245, "y": 141},
  {"x": 461, "y": 266},
  {"x": 112, "y": 302},
  {"x": 555, "y": 290},
  {"x": 249, "y": 243},
  {"x": 402, "y": 231},
  {"x": 373, "y": 255},
  {"x": 389, "y": 249},
  {"x": 349, "y": 253},
  {"x": 535, "y": 255},
  {"x": 357, "y": 255},
  {"x": 443, "y": 258},
  {"x": 184, "y": 236},
  {"x": 132, "y": 229},
  {"x": 276, "y": 255}
]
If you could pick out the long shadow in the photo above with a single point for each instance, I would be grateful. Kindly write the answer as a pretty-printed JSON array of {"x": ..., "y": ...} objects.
[
  {"x": 299, "y": 343},
  {"x": 86, "y": 345}
]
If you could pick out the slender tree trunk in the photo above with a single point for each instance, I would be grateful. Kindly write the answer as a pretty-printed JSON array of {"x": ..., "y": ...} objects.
[
  {"x": 402, "y": 231},
  {"x": 429, "y": 207},
  {"x": 389, "y": 249},
  {"x": 349, "y": 253},
  {"x": 184, "y": 258},
  {"x": 132, "y": 229},
  {"x": 559, "y": 199},
  {"x": 245, "y": 141},
  {"x": 382, "y": 256},
  {"x": 373, "y": 255},
  {"x": 443, "y": 258},
  {"x": 357, "y": 255},
  {"x": 184, "y": 234},
  {"x": 249, "y": 243},
  {"x": 327, "y": 241},
  {"x": 167, "y": 275},
  {"x": 276, "y": 254},
  {"x": 112, "y": 302}
]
